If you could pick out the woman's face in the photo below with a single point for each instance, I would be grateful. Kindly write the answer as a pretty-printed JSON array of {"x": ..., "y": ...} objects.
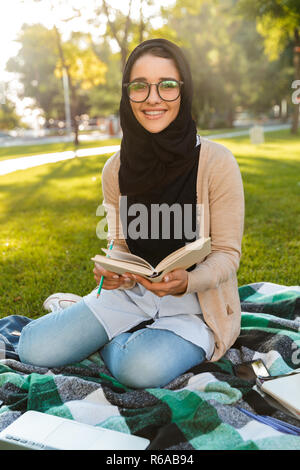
[{"x": 154, "y": 114}]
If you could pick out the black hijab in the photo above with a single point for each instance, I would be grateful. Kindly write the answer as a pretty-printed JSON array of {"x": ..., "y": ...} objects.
[
  {"x": 158, "y": 167},
  {"x": 150, "y": 160}
]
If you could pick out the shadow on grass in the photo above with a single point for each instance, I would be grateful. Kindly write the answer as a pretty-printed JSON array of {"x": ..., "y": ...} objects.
[
  {"x": 49, "y": 223},
  {"x": 267, "y": 166},
  {"x": 31, "y": 193}
]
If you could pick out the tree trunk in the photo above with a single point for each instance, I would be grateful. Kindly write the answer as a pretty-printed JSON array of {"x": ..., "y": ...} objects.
[
  {"x": 230, "y": 117},
  {"x": 122, "y": 41},
  {"x": 142, "y": 23},
  {"x": 76, "y": 129},
  {"x": 295, "y": 120},
  {"x": 74, "y": 116},
  {"x": 72, "y": 88},
  {"x": 124, "y": 52}
]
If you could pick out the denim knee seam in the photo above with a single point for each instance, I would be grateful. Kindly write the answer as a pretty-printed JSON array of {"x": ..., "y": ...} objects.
[{"x": 132, "y": 340}]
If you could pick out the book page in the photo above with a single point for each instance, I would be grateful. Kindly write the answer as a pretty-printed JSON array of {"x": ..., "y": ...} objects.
[
  {"x": 123, "y": 256},
  {"x": 121, "y": 267},
  {"x": 185, "y": 254}
]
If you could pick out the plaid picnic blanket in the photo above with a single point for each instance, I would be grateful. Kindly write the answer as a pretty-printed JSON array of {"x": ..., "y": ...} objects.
[{"x": 198, "y": 410}]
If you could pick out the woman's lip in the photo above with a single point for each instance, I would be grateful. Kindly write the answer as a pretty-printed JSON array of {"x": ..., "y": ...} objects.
[{"x": 157, "y": 113}]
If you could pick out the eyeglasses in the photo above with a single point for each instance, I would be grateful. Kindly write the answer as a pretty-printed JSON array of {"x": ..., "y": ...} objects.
[{"x": 168, "y": 90}]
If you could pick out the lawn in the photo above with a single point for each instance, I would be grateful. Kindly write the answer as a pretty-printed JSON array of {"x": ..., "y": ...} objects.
[{"x": 48, "y": 223}]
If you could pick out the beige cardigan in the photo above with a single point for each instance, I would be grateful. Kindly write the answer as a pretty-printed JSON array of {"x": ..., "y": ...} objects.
[{"x": 220, "y": 196}]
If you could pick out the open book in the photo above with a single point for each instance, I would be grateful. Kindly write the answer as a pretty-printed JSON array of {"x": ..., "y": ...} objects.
[
  {"x": 121, "y": 262},
  {"x": 285, "y": 390}
]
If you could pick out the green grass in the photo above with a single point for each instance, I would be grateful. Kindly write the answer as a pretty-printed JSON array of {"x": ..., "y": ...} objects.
[
  {"x": 48, "y": 223},
  {"x": 6, "y": 153},
  {"x": 205, "y": 132}
]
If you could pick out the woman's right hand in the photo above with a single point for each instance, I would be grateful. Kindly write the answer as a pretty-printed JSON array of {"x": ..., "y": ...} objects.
[{"x": 111, "y": 280}]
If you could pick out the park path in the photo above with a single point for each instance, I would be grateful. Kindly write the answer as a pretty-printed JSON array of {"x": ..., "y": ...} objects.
[{"x": 22, "y": 163}]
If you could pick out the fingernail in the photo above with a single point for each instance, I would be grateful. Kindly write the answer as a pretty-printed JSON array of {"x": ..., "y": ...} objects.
[
  {"x": 115, "y": 276},
  {"x": 166, "y": 278}
]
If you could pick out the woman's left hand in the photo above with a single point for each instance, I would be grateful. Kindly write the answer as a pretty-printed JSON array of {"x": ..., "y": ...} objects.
[{"x": 173, "y": 283}]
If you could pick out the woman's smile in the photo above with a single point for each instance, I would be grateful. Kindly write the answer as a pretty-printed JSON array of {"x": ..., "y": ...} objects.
[{"x": 154, "y": 113}]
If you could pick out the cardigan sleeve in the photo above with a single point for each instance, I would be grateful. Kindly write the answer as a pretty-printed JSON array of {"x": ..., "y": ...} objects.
[
  {"x": 111, "y": 193},
  {"x": 226, "y": 215},
  {"x": 110, "y": 203}
]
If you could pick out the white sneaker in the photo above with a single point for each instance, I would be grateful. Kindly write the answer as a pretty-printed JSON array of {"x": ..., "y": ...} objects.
[{"x": 60, "y": 301}]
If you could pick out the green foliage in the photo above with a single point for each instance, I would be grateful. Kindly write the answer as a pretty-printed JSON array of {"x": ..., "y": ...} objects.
[
  {"x": 228, "y": 61},
  {"x": 104, "y": 99},
  {"x": 214, "y": 41},
  {"x": 85, "y": 69},
  {"x": 8, "y": 116},
  {"x": 276, "y": 22}
]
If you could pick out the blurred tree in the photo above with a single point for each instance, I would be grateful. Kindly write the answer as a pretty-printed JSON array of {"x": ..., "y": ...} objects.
[
  {"x": 223, "y": 45},
  {"x": 126, "y": 30},
  {"x": 35, "y": 63},
  {"x": 119, "y": 27},
  {"x": 226, "y": 54},
  {"x": 40, "y": 62},
  {"x": 8, "y": 116},
  {"x": 279, "y": 24},
  {"x": 83, "y": 68},
  {"x": 207, "y": 31},
  {"x": 104, "y": 99}
]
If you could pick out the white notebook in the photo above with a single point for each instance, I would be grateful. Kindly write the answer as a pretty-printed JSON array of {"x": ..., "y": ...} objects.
[
  {"x": 286, "y": 390},
  {"x": 39, "y": 431}
]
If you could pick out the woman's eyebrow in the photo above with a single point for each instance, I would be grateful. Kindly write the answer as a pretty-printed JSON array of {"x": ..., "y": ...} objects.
[{"x": 144, "y": 79}]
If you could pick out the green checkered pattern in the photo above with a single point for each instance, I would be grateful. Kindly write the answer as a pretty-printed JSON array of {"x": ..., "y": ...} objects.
[{"x": 198, "y": 410}]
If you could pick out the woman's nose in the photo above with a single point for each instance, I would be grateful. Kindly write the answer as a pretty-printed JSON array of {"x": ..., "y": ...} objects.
[{"x": 153, "y": 95}]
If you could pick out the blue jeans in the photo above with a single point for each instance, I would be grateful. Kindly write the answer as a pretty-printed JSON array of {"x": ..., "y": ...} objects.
[{"x": 143, "y": 359}]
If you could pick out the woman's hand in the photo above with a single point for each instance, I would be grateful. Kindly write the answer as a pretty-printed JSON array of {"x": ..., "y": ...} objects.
[
  {"x": 111, "y": 280},
  {"x": 173, "y": 283}
]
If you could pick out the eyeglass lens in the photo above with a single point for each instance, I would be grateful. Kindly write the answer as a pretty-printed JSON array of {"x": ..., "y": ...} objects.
[{"x": 168, "y": 90}]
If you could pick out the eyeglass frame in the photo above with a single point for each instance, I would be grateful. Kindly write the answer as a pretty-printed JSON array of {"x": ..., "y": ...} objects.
[{"x": 125, "y": 85}]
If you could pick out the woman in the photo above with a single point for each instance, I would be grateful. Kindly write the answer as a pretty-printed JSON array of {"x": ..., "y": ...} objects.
[{"x": 150, "y": 333}]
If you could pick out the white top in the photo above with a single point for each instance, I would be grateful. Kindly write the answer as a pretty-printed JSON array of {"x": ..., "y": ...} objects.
[{"x": 119, "y": 310}]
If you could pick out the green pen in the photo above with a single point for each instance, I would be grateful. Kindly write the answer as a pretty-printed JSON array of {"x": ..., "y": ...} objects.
[{"x": 102, "y": 277}]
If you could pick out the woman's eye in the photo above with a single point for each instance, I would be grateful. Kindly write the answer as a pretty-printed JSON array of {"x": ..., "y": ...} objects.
[
  {"x": 138, "y": 87},
  {"x": 168, "y": 84}
]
